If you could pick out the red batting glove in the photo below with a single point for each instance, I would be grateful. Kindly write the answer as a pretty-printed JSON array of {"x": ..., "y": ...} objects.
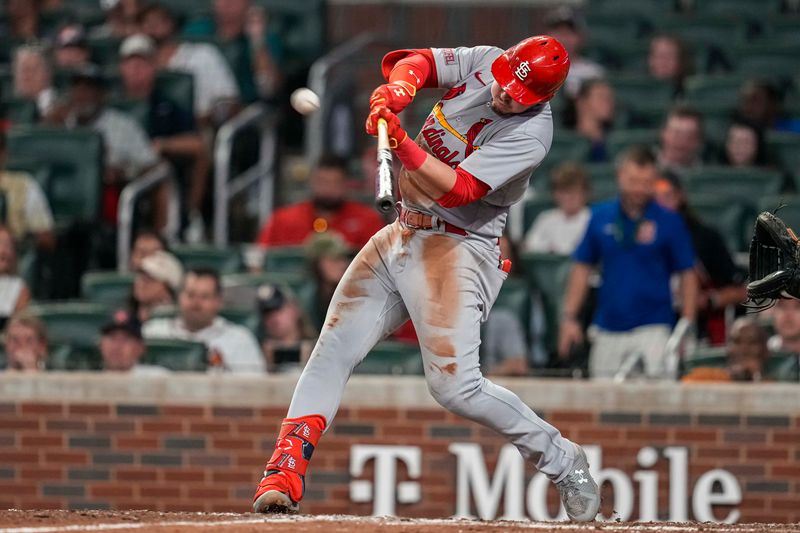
[
  {"x": 396, "y": 132},
  {"x": 396, "y": 96}
]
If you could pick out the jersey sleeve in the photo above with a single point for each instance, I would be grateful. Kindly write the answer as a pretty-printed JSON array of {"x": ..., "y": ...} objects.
[
  {"x": 456, "y": 64},
  {"x": 506, "y": 158}
]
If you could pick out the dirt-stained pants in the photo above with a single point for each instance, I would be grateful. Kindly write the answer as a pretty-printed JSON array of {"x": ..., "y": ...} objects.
[{"x": 446, "y": 284}]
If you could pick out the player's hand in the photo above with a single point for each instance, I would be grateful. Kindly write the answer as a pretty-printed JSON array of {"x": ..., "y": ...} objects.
[
  {"x": 396, "y": 132},
  {"x": 396, "y": 96},
  {"x": 570, "y": 334}
]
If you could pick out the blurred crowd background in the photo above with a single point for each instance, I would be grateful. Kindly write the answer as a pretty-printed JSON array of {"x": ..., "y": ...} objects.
[{"x": 164, "y": 209}]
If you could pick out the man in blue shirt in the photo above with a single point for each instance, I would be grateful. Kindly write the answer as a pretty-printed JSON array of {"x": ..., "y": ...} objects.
[{"x": 638, "y": 246}]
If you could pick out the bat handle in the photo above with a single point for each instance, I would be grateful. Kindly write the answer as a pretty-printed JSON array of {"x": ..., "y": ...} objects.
[
  {"x": 383, "y": 134},
  {"x": 384, "y": 194}
]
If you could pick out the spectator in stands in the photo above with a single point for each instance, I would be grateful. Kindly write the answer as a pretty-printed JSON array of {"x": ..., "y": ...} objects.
[
  {"x": 215, "y": 89},
  {"x": 760, "y": 102},
  {"x": 14, "y": 292},
  {"x": 172, "y": 130},
  {"x": 503, "y": 349},
  {"x": 745, "y": 145},
  {"x": 121, "y": 19},
  {"x": 747, "y": 355},
  {"x": 155, "y": 284},
  {"x": 328, "y": 209},
  {"x": 681, "y": 141},
  {"x": 128, "y": 151},
  {"x": 22, "y": 20},
  {"x": 33, "y": 78},
  {"x": 638, "y": 245},
  {"x": 122, "y": 346},
  {"x": 71, "y": 50},
  {"x": 233, "y": 348},
  {"x": 328, "y": 257},
  {"x": 786, "y": 321},
  {"x": 146, "y": 243},
  {"x": 721, "y": 282},
  {"x": 569, "y": 29},
  {"x": 27, "y": 212},
  {"x": 560, "y": 229},
  {"x": 288, "y": 334},
  {"x": 26, "y": 343},
  {"x": 594, "y": 115},
  {"x": 242, "y": 26},
  {"x": 668, "y": 59}
]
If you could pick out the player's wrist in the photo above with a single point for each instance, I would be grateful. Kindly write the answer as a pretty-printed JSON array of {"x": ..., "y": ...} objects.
[{"x": 410, "y": 154}]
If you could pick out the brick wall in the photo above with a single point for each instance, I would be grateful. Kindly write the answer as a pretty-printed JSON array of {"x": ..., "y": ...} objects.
[{"x": 169, "y": 456}]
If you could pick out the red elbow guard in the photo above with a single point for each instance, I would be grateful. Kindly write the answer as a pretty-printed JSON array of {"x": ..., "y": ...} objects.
[
  {"x": 416, "y": 67},
  {"x": 466, "y": 190}
]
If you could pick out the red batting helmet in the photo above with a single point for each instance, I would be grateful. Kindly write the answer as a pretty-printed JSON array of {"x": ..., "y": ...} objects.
[{"x": 532, "y": 71}]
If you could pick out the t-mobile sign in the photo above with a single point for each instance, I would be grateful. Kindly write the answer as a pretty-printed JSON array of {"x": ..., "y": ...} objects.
[{"x": 523, "y": 499}]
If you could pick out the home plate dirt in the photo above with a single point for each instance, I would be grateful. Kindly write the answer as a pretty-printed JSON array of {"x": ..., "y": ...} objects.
[{"x": 17, "y": 521}]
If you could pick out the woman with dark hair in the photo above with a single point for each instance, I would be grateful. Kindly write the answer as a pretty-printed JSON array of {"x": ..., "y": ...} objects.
[
  {"x": 721, "y": 282},
  {"x": 745, "y": 145},
  {"x": 669, "y": 59}
]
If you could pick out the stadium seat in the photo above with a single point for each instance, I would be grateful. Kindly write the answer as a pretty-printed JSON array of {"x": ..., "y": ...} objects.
[
  {"x": 302, "y": 29},
  {"x": 239, "y": 290},
  {"x": 106, "y": 287},
  {"x": 74, "y": 357},
  {"x": 783, "y": 367},
  {"x": 784, "y": 148},
  {"x": 223, "y": 260},
  {"x": 548, "y": 274},
  {"x": 75, "y": 323},
  {"x": 742, "y": 184},
  {"x": 243, "y": 317},
  {"x": 631, "y": 89},
  {"x": 702, "y": 30},
  {"x": 514, "y": 295},
  {"x": 21, "y": 111},
  {"x": 619, "y": 140},
  {"x": 742, "y": 9},
  {"x": 567, "y": 146},
  {"x": 285, "y": 259},
  {"x": 176, "y": 355},
  {"x": 189, "y": 8},
  {"x": 714, "y": 357},
  {"x": 731, "y": 219},
  {"x": 533, "y": 207},
  {"x": 723, "y": 88},
  {"x": 69, "y": 167},
  {"x": 389, "y": 357},
  {"x": 603, "y": 178}
]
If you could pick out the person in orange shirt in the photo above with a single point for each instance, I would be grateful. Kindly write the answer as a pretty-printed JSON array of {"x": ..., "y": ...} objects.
[{"x": 328, "y": 209}]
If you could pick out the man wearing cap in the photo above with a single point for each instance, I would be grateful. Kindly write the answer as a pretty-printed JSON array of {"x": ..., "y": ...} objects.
[
  {"x": 155, "y": 284},
  {"x": 439, "y": 263},
  {"x": 71, "y": 49},
  {"x": 233, "y": 347},
  {"x": 127, "y": 149},
  {"x": 288, "y": 336},
  {"x": 122, "y": 346},
  {"x": 171, "y": 128}
]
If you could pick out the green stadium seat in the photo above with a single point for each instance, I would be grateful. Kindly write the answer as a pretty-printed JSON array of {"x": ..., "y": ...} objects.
[
  {"x": 714, "y": 357},
  {"x": 783, "y": 367},
  {"x": 223, "y": 260},
  {"x": 743, "y": 184},
  {"x": 69, "y": 167},
  {"x": 514, "y": 295},
  {"x": 302, "y": 29},
  {"x": 567, "y": 146},
  {"x": 704, "y": 30},
  {"x": 106, "y": 287},
  {"x": 176, "y": 355},
  {"x": 619, "y": 140},
  {"x": 21, "y": 111},
  {"x": 74, "y": 357},
  {"x": 243, "y": 317},
  {"x": 285, "y": 259},
  {"x": 784, "y": 148},
  {"x": 533, "y": 207},
  {"x": 621, "y": 55},
  {"x": 741, "y": 9},
  {"x": 240, "y": 288},
  {"x": 632, "y": 89},
  {"x": 603, "y": 178},
  {"x": 731, "y": 219},
  {"x": 188, "y": 8},
  {"x": 389, "y": 357},
  {"x": 76, "y": 323},
  {"x": 548, "y": 274},
  {"x": 722, "y": 88}
]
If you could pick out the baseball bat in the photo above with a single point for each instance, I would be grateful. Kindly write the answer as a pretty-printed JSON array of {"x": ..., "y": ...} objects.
[{"x": 384, "y": 185}]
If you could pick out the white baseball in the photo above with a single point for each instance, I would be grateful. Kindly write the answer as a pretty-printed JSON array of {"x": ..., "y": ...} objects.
[{"x": 304, "y": 101}]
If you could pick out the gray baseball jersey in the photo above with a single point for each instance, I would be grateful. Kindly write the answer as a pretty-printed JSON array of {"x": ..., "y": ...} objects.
[{"x": 462, "y": 129}]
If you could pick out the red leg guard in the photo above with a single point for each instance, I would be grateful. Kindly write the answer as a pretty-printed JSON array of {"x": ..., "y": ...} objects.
[{"x": 286, "y": 469}]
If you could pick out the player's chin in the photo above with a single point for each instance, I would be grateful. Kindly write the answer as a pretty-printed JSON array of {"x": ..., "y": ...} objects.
[{"x": 501, "y": 109}]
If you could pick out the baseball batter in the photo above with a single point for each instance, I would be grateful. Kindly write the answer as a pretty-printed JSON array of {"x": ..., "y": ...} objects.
[{"x": 439, "y": 263}]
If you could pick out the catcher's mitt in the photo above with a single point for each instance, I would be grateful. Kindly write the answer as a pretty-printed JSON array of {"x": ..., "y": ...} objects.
[{"x": 774, "y": 262}]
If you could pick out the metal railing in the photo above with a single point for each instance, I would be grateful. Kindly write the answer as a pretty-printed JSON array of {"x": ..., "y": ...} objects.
[
  {"x": 262, "y": 173},
  {"x": 127, "y": 202},
  {"x": 318, "y": 78}
]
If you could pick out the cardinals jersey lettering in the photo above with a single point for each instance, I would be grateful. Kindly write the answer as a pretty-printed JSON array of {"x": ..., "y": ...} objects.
[{"x": 502, "y": 151}]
